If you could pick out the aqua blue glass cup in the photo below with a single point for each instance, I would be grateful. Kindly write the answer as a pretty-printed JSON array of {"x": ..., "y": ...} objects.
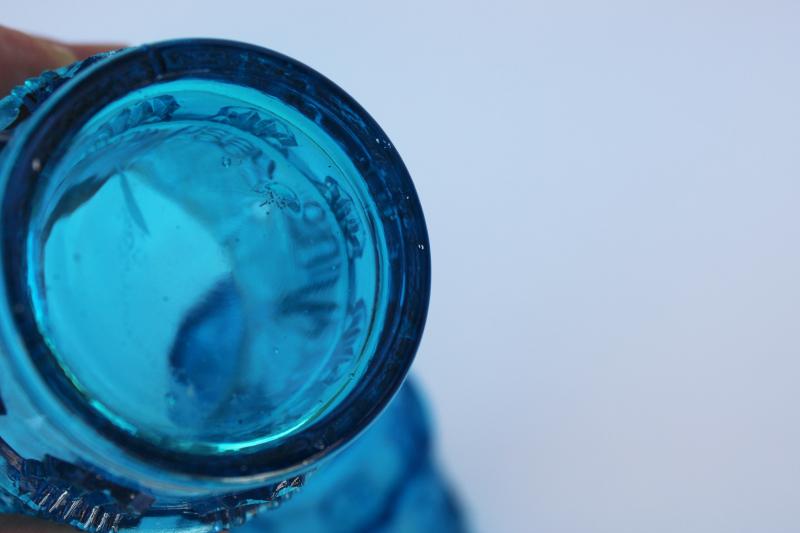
[{"x": 215, "y": 275}]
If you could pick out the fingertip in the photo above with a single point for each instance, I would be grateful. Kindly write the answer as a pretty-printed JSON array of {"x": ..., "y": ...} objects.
[{"x": 23, "y": 56}]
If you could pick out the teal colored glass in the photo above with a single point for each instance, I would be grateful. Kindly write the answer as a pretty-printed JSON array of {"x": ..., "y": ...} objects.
[
  {"x": 216, "y": 274},
  {"x": 385, "y": 482}
]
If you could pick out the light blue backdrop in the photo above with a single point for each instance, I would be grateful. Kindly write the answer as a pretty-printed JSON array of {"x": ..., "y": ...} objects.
[{"x": 613, "y": 194}]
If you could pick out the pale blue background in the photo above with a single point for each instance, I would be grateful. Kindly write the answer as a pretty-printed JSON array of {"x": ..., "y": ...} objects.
[{"x": 612, "y": 191}]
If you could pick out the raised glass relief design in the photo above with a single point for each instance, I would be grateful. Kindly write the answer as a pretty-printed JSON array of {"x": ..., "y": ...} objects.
[
  {"x": 24, "y": 98},
  {"x": 63, "y": 492}
]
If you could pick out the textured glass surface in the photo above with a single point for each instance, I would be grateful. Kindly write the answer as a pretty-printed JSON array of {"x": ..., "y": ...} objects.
[
  {"x": 221, "y": 249},
  {"x": 216, "y": 274},
  {"x": 385, "y": 482},
  {"x": 24, "y": 99}
]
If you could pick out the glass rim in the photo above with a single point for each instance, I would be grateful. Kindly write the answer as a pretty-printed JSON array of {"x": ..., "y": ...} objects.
[{"x": 49, "y": 129}]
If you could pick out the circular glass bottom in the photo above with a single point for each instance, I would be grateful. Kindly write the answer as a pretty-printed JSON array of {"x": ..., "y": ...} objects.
[{"x": 204, "y": 266}]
